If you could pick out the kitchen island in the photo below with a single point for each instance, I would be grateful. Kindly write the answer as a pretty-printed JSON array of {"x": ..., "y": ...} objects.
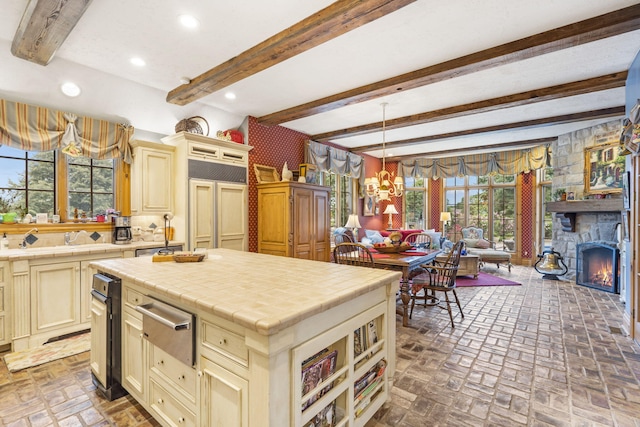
[{"x": 262, "y": 324}]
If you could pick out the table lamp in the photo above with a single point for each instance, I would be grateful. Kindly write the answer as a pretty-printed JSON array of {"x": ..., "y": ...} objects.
[
  {"x": 445, "y": 217},
  {"x": 391, "y": 209},
  {"x": 353, "y": 223}
]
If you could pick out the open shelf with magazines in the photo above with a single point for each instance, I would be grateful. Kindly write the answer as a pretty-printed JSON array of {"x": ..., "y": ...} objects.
[{"x": 340, "y": 377}]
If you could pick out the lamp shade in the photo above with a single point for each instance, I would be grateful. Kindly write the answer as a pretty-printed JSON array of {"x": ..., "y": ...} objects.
[
  {"x": 445, "y": 216},
  {"x": 353, "y": 222},
  {"x": 390, "y": 209}
]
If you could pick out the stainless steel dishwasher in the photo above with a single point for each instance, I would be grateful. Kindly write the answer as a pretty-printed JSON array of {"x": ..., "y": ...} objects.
[
  {"x": 153, "y": 251},
  {"x": 170, "y": 329}
]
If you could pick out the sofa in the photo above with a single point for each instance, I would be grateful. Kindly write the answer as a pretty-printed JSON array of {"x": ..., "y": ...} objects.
[
  {"x": 485, "y": 249},
  {"x": 375, "y": 236}
]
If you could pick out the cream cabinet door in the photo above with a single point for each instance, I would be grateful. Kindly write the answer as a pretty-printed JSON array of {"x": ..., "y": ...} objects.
[
  {"x": 225, "y": 399},
  {"x": 133, "y": 354},
  {"x": 98, "y": 339},
  {"x": 85, "y": 289},
  {"x": 4, "y": 303},
  {"x": 232, "y": 223},
  {"x": 55, "y": 296},
  {"x": 201, "y": 225},
  {"x": 152, "y": 180}
]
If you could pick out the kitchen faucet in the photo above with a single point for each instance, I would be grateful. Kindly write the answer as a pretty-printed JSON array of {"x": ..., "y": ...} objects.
[
  {"x": 69, "y": 238},
  {"x": 23, "y": 245}
]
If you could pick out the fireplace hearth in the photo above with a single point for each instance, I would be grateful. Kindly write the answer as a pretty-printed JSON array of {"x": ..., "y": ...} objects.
[{"x": 597, "y": 266}]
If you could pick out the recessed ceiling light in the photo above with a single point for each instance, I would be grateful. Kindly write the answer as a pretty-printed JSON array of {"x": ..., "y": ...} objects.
[
  {"x": 70, "y": 89},
  {"x": 138, "y": 62},
  {"x": 230, "y": 95},
  {"x": 188, "y": 21}
]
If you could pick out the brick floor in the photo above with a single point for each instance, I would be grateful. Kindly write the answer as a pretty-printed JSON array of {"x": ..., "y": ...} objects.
[{"x": 546, "y": 353}]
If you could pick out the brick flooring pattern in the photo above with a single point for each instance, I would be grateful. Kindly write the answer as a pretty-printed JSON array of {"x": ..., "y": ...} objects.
[{"x": 547, "y": 353}]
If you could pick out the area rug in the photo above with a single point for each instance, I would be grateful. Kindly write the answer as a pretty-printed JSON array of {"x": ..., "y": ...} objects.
[
  {"x": 484, "y": 279},
  {"x": 48, "y": 352}
]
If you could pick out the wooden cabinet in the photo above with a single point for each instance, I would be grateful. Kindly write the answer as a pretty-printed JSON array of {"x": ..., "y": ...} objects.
[
  {"x": 151, "y": 178},
  {"x": 293, "y": 220},
  {"x": 99, "y": 329},
  {"x": 134, "y": 348},
  {"x": 211, "y": 198}
]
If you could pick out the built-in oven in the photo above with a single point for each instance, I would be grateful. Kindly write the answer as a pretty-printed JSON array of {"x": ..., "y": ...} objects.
[{"x": 106, "y": 335}]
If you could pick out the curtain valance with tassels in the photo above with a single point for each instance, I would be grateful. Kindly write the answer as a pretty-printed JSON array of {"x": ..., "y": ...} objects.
[
  {"x": 334, "y": 160},
  {"x": 504, "y": 163},
  {"x": 32, "y": 128}
]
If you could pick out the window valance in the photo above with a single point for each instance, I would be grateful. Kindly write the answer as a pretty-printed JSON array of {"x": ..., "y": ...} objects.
[
  {"x": 504, "y": 163},
  {"x": 331, "y": 159},
  {"x": 32, "y": 128}
]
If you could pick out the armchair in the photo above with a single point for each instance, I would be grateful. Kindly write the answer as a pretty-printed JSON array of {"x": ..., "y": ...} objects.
[{"x": 485, "y": 249}]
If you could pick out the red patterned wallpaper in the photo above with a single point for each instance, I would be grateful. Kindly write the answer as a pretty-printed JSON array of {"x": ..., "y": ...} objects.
[
  {"x": 527, "y": 224},
  {"x": 435, "y": 202},
  {"x": 272, "y": 146}
]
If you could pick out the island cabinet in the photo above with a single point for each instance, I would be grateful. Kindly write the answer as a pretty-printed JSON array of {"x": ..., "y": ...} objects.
[
  {"x": 293, "y": 220},
  {"x": 326, "y": 356}
]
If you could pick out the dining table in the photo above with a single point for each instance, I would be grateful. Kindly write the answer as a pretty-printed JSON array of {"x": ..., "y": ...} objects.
[{"x": 406, "y": 262}]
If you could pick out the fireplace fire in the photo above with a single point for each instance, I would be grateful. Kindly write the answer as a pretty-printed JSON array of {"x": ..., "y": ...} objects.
[{"x": 597, "y": 266}]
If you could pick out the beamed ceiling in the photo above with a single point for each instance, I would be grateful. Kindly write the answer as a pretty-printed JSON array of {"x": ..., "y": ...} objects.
[{"x": 465, "y": 76}]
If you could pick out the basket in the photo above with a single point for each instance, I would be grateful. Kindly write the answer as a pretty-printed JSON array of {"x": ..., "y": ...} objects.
[
  {"x": 193, "y": 125},
  {"x": 188, "y": 257}
]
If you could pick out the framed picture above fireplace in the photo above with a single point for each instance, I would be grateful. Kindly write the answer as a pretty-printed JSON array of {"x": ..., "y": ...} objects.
[{"x": 604, "y": 169}]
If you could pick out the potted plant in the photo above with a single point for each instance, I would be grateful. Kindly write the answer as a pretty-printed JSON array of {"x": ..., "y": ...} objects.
[{"x": 561, "y": 194}]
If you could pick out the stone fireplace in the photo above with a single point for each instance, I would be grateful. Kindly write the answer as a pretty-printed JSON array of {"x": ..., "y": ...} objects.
[{"x": 585, "y": 219}]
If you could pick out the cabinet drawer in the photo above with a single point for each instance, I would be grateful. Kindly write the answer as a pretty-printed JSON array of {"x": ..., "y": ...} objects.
[
  {"x": 174, "y": 371},
  {"x": 133, "y": 298},
  {"x": 169, "y": 408},
  {"x": 225, "y": 342}
]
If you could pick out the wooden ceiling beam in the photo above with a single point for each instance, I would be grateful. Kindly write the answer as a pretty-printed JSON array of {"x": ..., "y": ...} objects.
[
  {"x": 546, "y": 121},
  {"x": 595, "y": 84},
  {"x": 45, "y": 25},
  {"x": 333, "y": 21},
  {"x": 589, "y": 30},
  {"x": 496, "y": 147}
]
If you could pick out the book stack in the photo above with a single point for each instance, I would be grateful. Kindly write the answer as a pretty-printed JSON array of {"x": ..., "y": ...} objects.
[
  {"x": 366, "y": 387},
  {"x": 364, "y": 338},
  {"x": 315, "y": 370}
]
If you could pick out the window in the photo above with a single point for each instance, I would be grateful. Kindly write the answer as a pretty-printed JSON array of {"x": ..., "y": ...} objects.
[
  {"x": 415, "y": 203},
  {"x": 90, "y": 185},
  {"x": 29, "y": 183},
  {"x": 487, "y": 202},
  {"x": 342, "y": 197}
]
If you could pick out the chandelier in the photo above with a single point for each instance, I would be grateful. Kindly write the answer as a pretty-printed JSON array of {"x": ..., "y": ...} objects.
[{"x": 383, "y": 186}]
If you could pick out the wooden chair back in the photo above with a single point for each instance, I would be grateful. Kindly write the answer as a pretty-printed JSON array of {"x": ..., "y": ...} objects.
[
  {"x": 422, "y": 239},
  {"x": 352, "y": 254}
]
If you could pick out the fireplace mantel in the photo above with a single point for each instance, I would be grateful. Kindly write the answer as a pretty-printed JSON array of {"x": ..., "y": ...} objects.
[
  {"x": 586, "y": 206},
  {"x": 566, "y": 211}
]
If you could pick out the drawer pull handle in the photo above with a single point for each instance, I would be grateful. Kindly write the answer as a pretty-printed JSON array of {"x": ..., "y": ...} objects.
[
  {"x": 223, "y": 341},
  {"x": 181, "y": 420},
  {"x": 181, "y": 377},
  {"x": 160, "y": 401},
  {"x": 160, "y": 362}
]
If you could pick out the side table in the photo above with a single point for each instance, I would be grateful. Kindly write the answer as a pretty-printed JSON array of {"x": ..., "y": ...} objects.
[{"x": 469, "y": 264}]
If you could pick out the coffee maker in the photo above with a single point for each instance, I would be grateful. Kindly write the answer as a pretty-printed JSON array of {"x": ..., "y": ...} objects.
[{"x": 122, "y": 230}]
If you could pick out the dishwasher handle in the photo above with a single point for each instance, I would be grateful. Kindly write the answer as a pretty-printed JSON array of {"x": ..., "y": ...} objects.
[{"x": 176, "y": 325}]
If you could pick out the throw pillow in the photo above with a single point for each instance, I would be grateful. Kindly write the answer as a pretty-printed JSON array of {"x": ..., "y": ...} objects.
[
  {"x": 483, "y": 244},
  {"x": 471, "y": 243},
  {"x": 374, "y": 236}
]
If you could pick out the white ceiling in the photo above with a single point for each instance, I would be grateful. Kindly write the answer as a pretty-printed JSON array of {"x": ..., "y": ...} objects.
[{"x": 97, "y": 52}]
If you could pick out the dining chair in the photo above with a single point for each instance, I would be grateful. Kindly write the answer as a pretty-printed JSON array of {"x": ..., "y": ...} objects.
[
  {"x": 419, "y": 239},
  {"x": 344, "y": 237},
  {"x": 352, "y": 254},
  {"x": 440, "y": 277}
]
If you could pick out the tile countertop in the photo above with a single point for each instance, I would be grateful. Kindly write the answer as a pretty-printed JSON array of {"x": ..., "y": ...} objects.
[
  {"x": 73, "y": 250},
  {"x": 264, "y": 293}
]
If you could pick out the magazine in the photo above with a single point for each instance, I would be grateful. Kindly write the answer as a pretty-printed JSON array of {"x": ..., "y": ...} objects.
[
  {"x": 325, "y": 418},
  {"x": 315, "y": 372}
]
